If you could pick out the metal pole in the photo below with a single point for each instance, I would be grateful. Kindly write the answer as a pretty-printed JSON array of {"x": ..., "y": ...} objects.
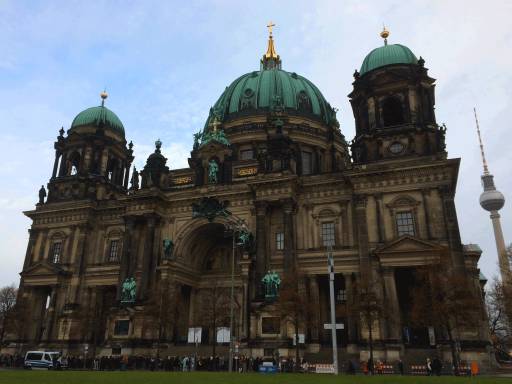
[
  {"x": 330, "y": 269},
  {"x": 232, "y": 305}
]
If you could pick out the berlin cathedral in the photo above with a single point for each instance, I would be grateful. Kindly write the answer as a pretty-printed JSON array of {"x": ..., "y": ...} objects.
[{"x": 171, "y": 261}]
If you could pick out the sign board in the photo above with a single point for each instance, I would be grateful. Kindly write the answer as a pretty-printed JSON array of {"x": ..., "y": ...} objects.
[
  {"x": 194, "y": 335},
  {"x": 302, "y": 339},
  {"x": 432, "y": 336},
  {"x": 223, "y": 335},
  {"x": 338, "y": 326},
  {"x": 324, "y": 368}
]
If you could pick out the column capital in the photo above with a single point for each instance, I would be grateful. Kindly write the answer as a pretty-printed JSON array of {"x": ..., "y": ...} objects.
[{"x": 261, "y": 208}]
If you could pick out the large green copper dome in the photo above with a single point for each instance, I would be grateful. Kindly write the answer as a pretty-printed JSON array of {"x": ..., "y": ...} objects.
[
  {"x": 387, "y": 55},
  {"x": 272, "y": 88},
  {"x": 99, "y": 115}
]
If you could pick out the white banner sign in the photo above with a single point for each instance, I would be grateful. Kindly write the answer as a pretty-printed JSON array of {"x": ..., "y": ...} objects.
[
  {"x": 223, "y": 335},
  {"x": 194, "y": 335},
  {"x": 432, "y": 336},
  {"x": 302, "y": 339}
]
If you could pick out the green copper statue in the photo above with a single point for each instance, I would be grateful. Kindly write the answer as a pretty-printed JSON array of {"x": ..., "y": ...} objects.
[
  {"x": 271, "y": 281},
  {"x": 128, "y": 291},
  {"x": 168, "y": 248},
  {"x": 213, "y": 171}
]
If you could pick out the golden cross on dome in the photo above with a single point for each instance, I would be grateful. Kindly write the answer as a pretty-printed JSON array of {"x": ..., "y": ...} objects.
[
  {"x": 216, "y": 124},
  {"x": 269, "y": 26}
]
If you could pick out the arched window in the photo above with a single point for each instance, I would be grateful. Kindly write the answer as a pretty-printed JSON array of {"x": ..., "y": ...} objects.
[{"x": 392, "y": 112}]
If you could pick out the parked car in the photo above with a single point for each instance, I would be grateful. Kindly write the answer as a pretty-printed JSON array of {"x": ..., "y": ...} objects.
[{"x": 44, "y": 359}]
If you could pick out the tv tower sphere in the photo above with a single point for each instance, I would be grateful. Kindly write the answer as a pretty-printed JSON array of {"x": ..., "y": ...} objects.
[{"x": 492, "y": 200}]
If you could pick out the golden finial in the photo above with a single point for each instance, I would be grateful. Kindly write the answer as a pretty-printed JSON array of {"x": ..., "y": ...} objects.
[
  {"x": 269, "y": 26},
  {"x": 384, "y": 34},
  {"x": 216, "y": 123},
  {"x": 271, "y": 50},
  {"x": 103, "y": 96}
]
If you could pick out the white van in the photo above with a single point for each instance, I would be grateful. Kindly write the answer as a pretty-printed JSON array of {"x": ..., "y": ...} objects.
[{"x": 43, "y": 359}]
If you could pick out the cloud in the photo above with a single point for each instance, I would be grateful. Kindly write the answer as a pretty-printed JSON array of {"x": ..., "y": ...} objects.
[{"x": 165, "y": 63}]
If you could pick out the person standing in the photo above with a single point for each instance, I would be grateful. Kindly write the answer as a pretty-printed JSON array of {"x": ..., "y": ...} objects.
[
  {"x": 400, "y": 366},
  {"x": 429, "y": 367}
]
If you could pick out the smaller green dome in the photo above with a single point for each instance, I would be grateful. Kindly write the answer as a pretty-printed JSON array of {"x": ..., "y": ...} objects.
[
  {"x": 96, "y": 116},
  {"x": 387, "y": 55}
]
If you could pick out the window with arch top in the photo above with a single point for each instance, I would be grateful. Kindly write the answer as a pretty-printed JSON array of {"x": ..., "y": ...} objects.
[{"x": 392, "y": 111}]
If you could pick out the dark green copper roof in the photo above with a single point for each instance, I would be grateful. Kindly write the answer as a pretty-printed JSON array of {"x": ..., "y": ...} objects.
[
  {"x": 263, "y": 89},
  {"x": 96, "y": 116},
  {"x": 387, "y": 55}
]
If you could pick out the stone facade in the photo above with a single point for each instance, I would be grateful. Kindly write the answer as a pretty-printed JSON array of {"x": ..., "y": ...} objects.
[{"x": 288, "y": 176}]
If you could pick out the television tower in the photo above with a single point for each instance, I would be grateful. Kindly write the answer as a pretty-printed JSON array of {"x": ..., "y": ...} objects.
[{"x": 493, "y": 200}]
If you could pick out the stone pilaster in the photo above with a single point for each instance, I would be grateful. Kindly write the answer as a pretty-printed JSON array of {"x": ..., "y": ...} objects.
[
  {"x": 289, "y": 244},
  {"x": 29, "y": 254},
  {"x": 55, "y": 164},
  {"x": 125, "y": 270},
  {"x": 425, "y": 194},
  {"x": 452, "y": 229},
  {"x": 261, "y": 244},
  {"x": 392, "y": 305},
  {"x": 314, "y": 299},
  {"x": 362, "y": 233},
  {"x": 351, "y": 323},
  {"x": 380, "y": 222},
  {"x": 147, "y": 260}
]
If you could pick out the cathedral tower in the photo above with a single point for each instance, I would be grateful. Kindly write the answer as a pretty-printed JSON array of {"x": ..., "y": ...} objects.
[{"x": 393, "y": 105}]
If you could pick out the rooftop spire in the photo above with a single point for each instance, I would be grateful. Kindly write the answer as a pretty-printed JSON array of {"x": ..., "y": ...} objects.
[
  {"x": 384, "y": 34},
  {"x": 103, "y": 96},
  {"x": 270, "y": 58},
  {"x": 486, "y": 169}
]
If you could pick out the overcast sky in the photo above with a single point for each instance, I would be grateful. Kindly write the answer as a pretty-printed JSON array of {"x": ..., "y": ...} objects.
[{"x": 165, "y": 63}]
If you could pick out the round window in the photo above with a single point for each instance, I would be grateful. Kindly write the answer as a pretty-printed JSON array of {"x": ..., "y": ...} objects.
[{"x": 396, "y": 148}]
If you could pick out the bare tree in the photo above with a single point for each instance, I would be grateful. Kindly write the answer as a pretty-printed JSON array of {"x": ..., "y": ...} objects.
[
  {"x": 293, "y": 306},
  {"x": 499, "y": 323},
  {"x": 163, "y": 308},
  {"x": 369, "y": 308},
  {"x": 446, "y": 301},
  {"x": 215, "y": 310},
  {"x": 7, "y": 304}
]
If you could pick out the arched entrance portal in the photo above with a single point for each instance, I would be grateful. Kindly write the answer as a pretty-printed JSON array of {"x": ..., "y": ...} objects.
[{"x": 204, "y": 254}]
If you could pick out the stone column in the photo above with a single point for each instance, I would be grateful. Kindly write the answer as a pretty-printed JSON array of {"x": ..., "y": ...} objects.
[
  {"x": 49, "y": 316},
  {"x": 351, "y": 324},
  {"x": 380, "y": 224},
  {"x": 314, "y": 298},
  {"x": 362, "y": 234},
  {"x": 289, "y": 244},
  {"x": 452, "y": 229},
  {"x": 126, "y": 175},
  {"x": 42, "y": 245},
  {"x": 394, "y": 323},
  {"x": 30, "y": 248},
  {"x": 261, "y": 245},
  {"x": 62, "y": 168},
  {"x": 55, "y": 164},
  {"x": 425, "y": 194},
  {"x": 125, "y": 270},
  {"x": 147, "y": 258},
  {"x": 103, "y": 162}
]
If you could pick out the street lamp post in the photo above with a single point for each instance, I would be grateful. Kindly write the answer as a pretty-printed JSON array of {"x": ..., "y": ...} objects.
[
  {"x": 231, "y": 304},
  {"x": 333, "y": 311},
  {"x": 235, "y": 226}
]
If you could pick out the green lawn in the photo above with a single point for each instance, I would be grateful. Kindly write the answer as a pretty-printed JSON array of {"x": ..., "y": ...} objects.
[{"x": 139, "y": 377}]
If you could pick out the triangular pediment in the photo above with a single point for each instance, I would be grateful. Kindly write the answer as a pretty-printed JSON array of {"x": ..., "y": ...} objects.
[
  {"x": 43, "y": 269},
  {"x": 409, "y": 244},
  {"x": 409, "y": 251}
]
